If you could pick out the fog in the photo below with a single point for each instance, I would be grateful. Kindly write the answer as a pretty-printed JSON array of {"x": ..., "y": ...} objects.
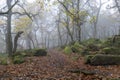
[{"x": 54, "y": 23}]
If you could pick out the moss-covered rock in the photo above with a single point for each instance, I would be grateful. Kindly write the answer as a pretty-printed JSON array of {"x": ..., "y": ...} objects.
[
  {"x": 67, "y": 50},
  {"x": 100, "y": 59},
  {"x": 40, "y": 52},
  {"x": 32, "y": 52},
  {"x": 24, "y": 53},
  {"x": 91, "y": 41},
  {"x": 112, "y": 42},
  {"x": 107, "y": 43},
  {"x": 111, "y": 50},
  {"x": 85, "y": 51},
  {"x": 88, "y": 59},
  {"x": 92, "y": 44}
]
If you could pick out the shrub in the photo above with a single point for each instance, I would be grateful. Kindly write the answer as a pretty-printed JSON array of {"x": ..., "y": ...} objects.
[
  {"x": 77, "y": 48},
  {"x": 3, "y": 59},
  {"x": 40, "y": 52},
  {"x": 67, "y": 50},
  {"x": 18, "y": 59}
]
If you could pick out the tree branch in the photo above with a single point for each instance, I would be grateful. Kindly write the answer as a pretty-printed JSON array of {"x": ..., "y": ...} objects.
[
  {"x": 65, "y": 7},
  {"x": 26, "y": 12},
  {"x": 1, "y": 13}
]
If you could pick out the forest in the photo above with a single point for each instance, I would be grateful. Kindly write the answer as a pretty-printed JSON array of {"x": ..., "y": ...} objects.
[{"x": 59, "y": 39}]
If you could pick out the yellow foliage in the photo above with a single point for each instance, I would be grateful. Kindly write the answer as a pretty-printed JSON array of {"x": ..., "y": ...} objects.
[
  {"x": 22, "y": 24},
  {"x": 64, "y": 23},
  {"x": 93, "y": 19}
]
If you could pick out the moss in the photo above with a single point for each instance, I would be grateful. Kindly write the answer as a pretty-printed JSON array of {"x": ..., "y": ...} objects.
[
  {"x": 3, "y": 59},
  {"x": 32, "y": 52},
  {"x": 88, "y": 58},
  {"x": 77, "y": 48},
  {"x": 109, "y": 42},
  {"x": 18, "y": 59},
  {"x": 67, "y": 50},
  {"x": 85, "y": 52},
  {"x": 111, "y": 50},
  {"x": 92, "y": 44},
  {"x": 40, "y": 52},
  {"x": 91, "y": 41},
  {"x": 105, "y": 60}
]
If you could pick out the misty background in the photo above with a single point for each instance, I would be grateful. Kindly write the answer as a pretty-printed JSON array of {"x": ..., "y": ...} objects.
[{"x": 54, "y": 23}]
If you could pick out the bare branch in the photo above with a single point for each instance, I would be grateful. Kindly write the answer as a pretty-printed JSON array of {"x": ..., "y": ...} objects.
[
  {"x": 1, "y": 13},
  {"x": 28, "y": 14}
]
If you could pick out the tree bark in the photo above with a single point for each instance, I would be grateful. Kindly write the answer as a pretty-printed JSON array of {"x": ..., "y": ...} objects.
[
  {"x": 59, "y": 32},
  {"x": 15, "y": 40},
  {"x": 9, "y": 45}
]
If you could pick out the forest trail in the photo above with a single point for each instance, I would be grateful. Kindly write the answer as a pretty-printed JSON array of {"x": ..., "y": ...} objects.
[{"x": 56, "y": 66}]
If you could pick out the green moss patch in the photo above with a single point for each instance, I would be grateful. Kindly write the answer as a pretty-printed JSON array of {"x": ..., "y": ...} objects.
[
  {"x": 18, "y": 59},
  {"x": 67, "y": 50},
  {"x": 40, "y": 52},
  {"x": 77, "y": 48},
  {"x": 111, "y": 50}
]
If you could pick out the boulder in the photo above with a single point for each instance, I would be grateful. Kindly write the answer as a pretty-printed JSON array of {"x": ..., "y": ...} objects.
[{"x": 101, "y": 59}]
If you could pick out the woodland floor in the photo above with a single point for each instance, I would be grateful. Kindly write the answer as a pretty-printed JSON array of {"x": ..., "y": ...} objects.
[{"x": 56, "y": 66}]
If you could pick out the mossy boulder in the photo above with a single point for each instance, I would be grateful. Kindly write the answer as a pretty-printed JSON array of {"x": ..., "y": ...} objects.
[
  {"x": 113, "y": 42},
  {"x": 40, "y": 52},
  {"x": 67, "y": 50},
  {"x": 92, "y": 44},
  {"x": 88, "y": 58},
  {"x": 100, "y": 59},
  {"x": 91, "y": 41},
  {"x": 111, "y": 50},
  {"x": 24, "y": 53},
  {"x": 32, "y": 52},
  {"x": 107, "y": 43}
]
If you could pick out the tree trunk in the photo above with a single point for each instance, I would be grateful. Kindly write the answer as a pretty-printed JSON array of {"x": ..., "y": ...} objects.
[
  {"x": 59, "y": 32},
  {"x": 78, "y": 21},
  {"x": 9, "y": 45},
  {"x": 68, "y": 30},
  {"x": 96, "y": 22},
  {"x": 15, "y": 40}
]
